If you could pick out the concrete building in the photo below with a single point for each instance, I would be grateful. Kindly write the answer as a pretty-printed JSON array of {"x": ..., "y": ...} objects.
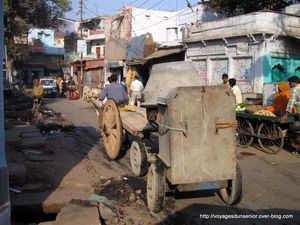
[
  {"x": 161, "y": 24},
  {"x": 43, "y": 55},
  {"x": 93, "y": 31},
  {"x": 255, "y": 49},
  {"x": 93, "y": 35},
  {"x": 134, "y": 22},
  {"x": 196, "y": 14}
]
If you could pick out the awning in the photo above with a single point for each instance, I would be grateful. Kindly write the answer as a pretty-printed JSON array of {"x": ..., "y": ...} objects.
[
  {"x": 164, "y": 52},
  {"x": 157, "y": 54}
]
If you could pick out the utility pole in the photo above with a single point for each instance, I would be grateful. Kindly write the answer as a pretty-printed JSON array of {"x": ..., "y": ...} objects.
[{"x": 81, "y": 56}]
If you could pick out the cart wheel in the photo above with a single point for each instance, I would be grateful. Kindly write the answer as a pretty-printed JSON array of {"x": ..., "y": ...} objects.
[
  {"x": 155, "y": 188},
  {"x": 245, "y": 133},
  {"x": 270, "y": 138},
  {"x": 138, "y": 158},
  {"x": 112, "y": 129},
  {"x": 233, "y": 194}
]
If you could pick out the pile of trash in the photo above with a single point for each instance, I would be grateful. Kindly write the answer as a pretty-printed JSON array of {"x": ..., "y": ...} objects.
[
  {"x": 17, "y": 108},
  {"x": 125, "y": 190}
]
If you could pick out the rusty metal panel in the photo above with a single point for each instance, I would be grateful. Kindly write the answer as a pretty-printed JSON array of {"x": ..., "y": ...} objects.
[{"x": 203, "y": 152}]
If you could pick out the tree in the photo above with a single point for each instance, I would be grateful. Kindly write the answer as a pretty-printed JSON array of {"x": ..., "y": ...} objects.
[
  {"x": 21, "y": 15},
  {"x": 238, "y": 7},
  {"x": 70, "y": 40}
]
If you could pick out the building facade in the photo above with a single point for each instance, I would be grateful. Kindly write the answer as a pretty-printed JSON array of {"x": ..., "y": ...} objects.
[{"x": 255, "y": 49}]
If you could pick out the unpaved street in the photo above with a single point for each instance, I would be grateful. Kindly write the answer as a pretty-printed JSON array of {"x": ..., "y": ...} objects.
[
  {"x": 74, "y": 167},
  {"x": 271, "y": 182}
]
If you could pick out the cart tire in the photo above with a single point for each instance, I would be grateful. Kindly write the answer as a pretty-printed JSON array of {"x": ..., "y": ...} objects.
[
  {"x": 233, "y": 193},
  {"x": 112, "y": 129},
  {"x": 138, "y": 158},
  {"x": 244, "y": 141},
  {"x": 155, "y": 188},
  {"x": 267, "y": 145}
]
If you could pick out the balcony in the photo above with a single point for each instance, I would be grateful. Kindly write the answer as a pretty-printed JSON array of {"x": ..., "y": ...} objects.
[{"x": 95, "y": 34}]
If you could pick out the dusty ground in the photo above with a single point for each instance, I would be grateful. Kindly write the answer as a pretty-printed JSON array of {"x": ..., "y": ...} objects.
[{"x": 79, "y": 166}]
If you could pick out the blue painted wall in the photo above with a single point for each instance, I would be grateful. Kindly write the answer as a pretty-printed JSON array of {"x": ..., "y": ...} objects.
[
  {"x": 45, "y": 35},
  {"x": 280, "y": 68}
]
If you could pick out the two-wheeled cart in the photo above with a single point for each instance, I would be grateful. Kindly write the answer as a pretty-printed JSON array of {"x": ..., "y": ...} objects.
[{"x": 269, "y": 131}]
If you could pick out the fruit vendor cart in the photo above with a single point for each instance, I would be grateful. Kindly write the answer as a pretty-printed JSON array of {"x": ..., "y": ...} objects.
[
  {"x": 186, "y": 138},
  {"x": 268, "y": 130}
]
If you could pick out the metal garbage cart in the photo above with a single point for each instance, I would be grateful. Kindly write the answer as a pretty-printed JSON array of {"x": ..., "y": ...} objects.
[{"x": 185, "y": 141}]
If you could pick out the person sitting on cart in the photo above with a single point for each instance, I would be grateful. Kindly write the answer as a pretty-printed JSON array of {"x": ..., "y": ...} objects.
[
  {"x": 281, "y": 99},
  {"x": 236, "y": 90},
  {"x": 114, "y": 91},
  {"x": 294, "y": 101}
]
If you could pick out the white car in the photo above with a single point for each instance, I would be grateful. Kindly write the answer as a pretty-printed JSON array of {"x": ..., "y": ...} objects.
[{"x": 49, "y": 86}]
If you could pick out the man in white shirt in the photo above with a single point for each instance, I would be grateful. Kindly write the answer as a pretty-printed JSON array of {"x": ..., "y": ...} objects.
[
  {"x": 236, "y": 90},
  {"x": 135, "y": 91}
]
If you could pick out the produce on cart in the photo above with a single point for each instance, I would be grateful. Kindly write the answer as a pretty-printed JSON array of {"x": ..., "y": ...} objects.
[{"x": 266, "y": 127}]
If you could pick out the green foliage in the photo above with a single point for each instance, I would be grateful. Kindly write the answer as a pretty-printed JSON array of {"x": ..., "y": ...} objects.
[
  {"x": 238, "y": 7},
  {"x": 70, "y": 40}
]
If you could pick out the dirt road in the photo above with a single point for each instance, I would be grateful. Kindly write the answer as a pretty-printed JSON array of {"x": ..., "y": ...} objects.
[{"x": 271, "y": 182}]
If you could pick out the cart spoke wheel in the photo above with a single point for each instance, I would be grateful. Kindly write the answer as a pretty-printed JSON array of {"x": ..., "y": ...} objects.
[
  {"x": 138, "y": 158},
  {"x": 155, "y": 188},
  {"x": 269, "y": 138},
  {"x": 233, "y": 193},
  {"x": 112, "y": 129},
  {"x": 245, "y": 133}
]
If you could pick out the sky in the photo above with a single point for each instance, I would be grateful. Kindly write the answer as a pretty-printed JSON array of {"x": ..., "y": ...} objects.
[{"x": 93, "y": 8}]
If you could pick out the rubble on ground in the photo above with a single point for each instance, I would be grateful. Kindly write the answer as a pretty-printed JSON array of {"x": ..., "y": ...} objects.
[{"x": 124, "y": 190}]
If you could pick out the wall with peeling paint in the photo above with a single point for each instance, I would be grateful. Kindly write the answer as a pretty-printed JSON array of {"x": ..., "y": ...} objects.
[{"x": 252, "y": 63}]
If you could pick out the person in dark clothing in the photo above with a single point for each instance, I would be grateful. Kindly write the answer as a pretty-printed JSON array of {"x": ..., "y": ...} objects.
[
  {"x": 114, "y": 91},
  {"x": 71, "y": 81},
  {"x": 70, "y": 88}
]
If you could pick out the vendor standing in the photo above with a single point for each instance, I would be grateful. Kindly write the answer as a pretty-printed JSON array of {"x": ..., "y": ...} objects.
[
  {"x": 281, "y": 99},
  {"x": 294, "y": 99}
]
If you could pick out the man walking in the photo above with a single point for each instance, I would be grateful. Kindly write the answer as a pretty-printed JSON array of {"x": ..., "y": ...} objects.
[{"x": 135, "y": 91}]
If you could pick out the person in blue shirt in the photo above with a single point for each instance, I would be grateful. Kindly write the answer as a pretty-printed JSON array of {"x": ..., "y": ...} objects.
[{"x": 114, "y": 91}]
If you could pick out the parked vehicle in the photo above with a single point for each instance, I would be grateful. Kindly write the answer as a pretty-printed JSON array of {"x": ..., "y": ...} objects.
[{"x": 49, "y": 86}]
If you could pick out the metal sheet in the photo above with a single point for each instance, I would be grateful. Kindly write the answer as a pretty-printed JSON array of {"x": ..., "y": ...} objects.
[
  {"x": 203, "y": 153},
  {"x": 163, "y": 52},
  {"x": 165, "y": 76}
]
